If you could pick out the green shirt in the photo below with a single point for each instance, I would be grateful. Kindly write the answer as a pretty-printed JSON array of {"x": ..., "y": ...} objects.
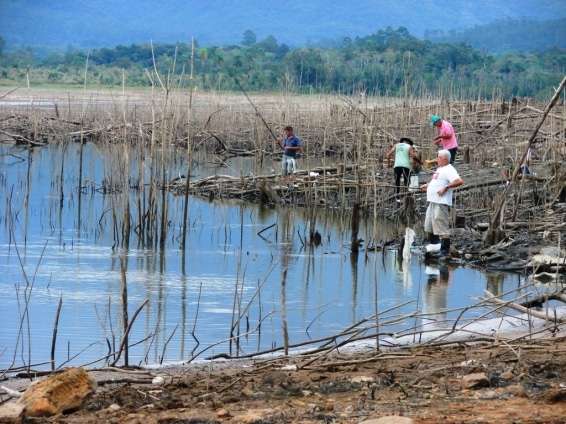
[{"x": 402, "y": 157}]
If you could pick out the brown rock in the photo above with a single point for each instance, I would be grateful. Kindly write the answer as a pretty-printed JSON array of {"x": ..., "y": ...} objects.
[
  {"x": 390, "y": 419},
  {"x": 254, "y": 416},
  {"x": 475, "y": 380},
  {"x": 329, "y": 405},
  {"x": 488, "y": 395},
  {"x": 58, "y": 393},
  {"x": 11, "y": 413},
  {"x": 274, "y": 378},
  {"x": 246, "y": 391},
  {"x": 222, "y": 413},
  {"x": 516, "y": 390}
]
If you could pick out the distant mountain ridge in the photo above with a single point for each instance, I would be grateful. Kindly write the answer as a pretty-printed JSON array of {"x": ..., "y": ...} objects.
[
  {"x": 510, "y": 35},
  {"x": 96, "y": 23}
]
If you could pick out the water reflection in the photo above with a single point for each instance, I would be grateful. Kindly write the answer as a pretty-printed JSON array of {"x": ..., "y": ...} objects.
[
  {"x": 273, "y": 276},
  {"x": 495, "y": 282},
  {"x": 436, "y": 293}
]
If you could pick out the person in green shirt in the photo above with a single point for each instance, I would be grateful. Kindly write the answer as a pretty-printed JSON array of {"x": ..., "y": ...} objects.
[{"x": 404, "y": 154}]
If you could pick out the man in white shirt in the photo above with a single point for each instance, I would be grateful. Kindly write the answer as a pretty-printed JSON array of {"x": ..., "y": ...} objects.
[{"x": 439, "y": 196}]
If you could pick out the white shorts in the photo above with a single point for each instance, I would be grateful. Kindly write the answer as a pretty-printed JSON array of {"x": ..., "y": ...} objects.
[
  {"x": 437, "y": 220},
  {"x": 288, "y": 165}
]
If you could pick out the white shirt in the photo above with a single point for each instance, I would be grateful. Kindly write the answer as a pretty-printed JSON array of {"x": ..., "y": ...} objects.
[{"x": 441, "y": 178}]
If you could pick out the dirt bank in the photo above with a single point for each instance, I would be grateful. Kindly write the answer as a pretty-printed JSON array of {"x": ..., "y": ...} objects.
[{"x": 482, "y": 383}]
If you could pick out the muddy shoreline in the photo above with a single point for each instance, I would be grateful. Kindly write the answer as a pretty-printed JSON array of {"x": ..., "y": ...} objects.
[{"x": 495, "y": 382}]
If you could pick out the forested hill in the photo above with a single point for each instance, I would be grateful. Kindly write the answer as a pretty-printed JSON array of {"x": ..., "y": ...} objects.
[
  {"x": 509, "y": 35},
  {"x": 388, "y": 62},
  {"x": 98, "y": 23}
]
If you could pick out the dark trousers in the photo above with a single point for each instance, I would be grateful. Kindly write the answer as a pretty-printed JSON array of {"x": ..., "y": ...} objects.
[
  {"x": 401, "y": 171},
  {"x": 453, "y": 154}
]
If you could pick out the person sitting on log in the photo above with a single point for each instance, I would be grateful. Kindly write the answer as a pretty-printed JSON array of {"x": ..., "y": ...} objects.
[{"x": 439, "y": 196}]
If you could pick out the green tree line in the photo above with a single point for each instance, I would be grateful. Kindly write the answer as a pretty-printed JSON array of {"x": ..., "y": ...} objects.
[{"x": 388, "y": 62}]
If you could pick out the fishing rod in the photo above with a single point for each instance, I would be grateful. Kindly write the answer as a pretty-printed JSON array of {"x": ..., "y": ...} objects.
[{"x": 257, "y": 111}]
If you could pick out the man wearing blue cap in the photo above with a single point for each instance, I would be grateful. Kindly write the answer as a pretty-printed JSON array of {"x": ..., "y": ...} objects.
[{"x": 446, "y": 136}]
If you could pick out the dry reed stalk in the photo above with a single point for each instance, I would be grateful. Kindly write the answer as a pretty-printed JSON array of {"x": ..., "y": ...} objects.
[
  {"x": 189, "y": 149},
  {"x": 55, "y": 328}
]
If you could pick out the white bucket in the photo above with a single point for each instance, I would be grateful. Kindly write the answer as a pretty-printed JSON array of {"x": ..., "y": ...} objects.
[{"x": 414, "y": 183}]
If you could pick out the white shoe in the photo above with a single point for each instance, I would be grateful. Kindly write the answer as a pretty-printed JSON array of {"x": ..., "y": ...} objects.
[{"x": 432, "y": 248}]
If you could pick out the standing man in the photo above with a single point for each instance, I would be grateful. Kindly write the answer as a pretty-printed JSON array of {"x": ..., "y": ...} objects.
[
  {"x": 404, "y": 152},
  {"x": 439, "y": 197},
  {"x": 446, "y": 137},
  {"x": 291, "y": 145}
]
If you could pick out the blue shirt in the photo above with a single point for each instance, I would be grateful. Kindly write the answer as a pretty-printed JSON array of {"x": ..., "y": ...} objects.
[{"x": 292, "y": 141}]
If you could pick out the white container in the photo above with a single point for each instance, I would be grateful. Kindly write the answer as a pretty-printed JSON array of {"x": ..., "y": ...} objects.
[{"x": 414, "y": 183}]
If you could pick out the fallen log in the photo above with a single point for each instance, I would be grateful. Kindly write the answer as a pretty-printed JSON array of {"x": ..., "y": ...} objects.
[
  {"x": 20, "y": 139},
  {"x": 542, "y": 299},
  {"x": 522, "y": 309}
]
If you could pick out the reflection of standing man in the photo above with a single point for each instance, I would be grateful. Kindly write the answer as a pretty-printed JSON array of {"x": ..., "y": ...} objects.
[
  {"x": 439, "y": 196},
  {"x": 494, "y": 283},
  {"x": 436, "y": 294},
  {"x": 291, "y": 145},
  {"x": 446, "y": 137}
]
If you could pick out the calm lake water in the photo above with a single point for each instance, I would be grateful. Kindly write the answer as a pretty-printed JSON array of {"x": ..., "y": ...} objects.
[{"x": 317, "y": 290}]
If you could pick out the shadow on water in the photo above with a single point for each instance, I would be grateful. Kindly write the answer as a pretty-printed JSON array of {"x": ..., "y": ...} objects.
[{"x": 250, "y": 276}]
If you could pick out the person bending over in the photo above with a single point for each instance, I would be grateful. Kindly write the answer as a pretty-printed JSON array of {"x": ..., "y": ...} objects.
[
  {"x": 446, "y": 137},
  {"x": 404, "y": 153}
]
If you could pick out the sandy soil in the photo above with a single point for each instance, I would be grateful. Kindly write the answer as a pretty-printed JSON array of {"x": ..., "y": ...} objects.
[
  {"x": 516, "y": 384},
  {"x": 48, "y": 97}
]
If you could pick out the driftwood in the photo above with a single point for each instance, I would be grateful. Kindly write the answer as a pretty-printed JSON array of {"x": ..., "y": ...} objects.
[
  {"x": 523, "y": 309},
  {"x": 540, "y": 300},
  {"x": 22, "y": 140}
]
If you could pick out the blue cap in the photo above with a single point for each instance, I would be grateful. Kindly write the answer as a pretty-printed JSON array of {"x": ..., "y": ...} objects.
[{"x": 434, "y": 119}]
